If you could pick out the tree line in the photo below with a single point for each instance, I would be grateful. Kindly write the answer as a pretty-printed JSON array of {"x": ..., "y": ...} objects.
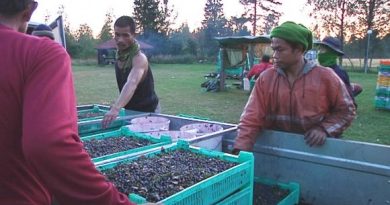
[{"x": 347, "y": 19}]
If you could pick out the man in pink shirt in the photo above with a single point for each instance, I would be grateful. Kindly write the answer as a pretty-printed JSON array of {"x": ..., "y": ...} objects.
[{"x": 41, "y": 155}]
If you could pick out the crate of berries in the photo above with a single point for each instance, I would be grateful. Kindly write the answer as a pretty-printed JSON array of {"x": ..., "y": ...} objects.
[
  {"x": 268, "y": 191},
  {"x": 121, "y": 142},
  {"x": 181, "y": 174},
  {"x": 243, "y": 196},
  {"x": 94, "y": 112},
  {"x": 265, "y": 192}
]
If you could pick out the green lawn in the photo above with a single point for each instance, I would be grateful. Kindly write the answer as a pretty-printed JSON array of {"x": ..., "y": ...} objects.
[{"x": 178, "y": 87}]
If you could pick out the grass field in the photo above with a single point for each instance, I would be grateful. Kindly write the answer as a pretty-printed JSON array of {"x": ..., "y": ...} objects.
[{"x": 178, "y": 87}]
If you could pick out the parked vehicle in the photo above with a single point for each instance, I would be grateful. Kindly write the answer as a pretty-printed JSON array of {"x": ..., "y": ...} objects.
[{"x": 58, "y": 30}]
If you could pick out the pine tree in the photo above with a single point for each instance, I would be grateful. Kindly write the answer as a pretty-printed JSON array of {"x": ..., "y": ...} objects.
[
  {"x": 86, "y": 41},
  {"x": 215, "y": 21},
  {"x": 373, "y": 15},
  {"x": 214, "y": 24},
  {"x": 106, "y": 33},
  {"x": 237, "y": 25},
  {"x": 264, "y": 14},
  {"x": 152, "y": 16}
]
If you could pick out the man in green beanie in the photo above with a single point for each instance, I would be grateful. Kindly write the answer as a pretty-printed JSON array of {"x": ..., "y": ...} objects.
[{"x": 295, "y": 95}]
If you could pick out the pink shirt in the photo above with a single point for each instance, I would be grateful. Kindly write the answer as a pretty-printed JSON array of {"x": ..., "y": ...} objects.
[{"x": 40, "y": 151}]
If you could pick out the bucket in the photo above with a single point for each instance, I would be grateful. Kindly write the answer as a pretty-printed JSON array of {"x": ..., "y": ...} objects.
[
  {"x": 175, "y": 135},
  {"x": 200, "y": 129},
  {"x": 149, "y": 124}
]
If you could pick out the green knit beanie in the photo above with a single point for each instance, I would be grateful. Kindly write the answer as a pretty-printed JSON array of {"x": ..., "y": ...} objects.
[{"x": 293, "y": 32}]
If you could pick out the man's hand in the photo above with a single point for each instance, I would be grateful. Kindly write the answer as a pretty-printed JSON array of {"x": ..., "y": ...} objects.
[
  {"x": 315, "y": 136},
  {"x": 236, "y": 151},
  {"x": 110, "y": 116}
]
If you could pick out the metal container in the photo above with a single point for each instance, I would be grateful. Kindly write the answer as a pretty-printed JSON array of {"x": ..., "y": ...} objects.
[{"x": 339, "y": 172}]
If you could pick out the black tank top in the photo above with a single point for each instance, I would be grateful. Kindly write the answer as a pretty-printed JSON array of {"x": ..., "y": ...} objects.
[{"x": 144, "y": 98}]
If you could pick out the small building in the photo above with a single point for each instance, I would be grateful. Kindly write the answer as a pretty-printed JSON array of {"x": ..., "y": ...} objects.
[{"x": 106, "y": 51}]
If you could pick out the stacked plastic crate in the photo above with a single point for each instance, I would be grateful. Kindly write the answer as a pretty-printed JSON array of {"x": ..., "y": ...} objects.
[{"x": 382, "y": 98}]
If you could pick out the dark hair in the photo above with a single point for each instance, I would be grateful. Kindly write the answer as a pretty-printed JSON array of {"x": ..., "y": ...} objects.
[
  {"x": 265, "y": 58},
  {"x": 12, "y": 7},
  {"x": 125, "y": 21}
]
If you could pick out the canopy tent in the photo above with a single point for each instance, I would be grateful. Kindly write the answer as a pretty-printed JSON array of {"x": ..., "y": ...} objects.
[
  {"x": 236, "y": 41},
  {"x": 238, "y": 53}
]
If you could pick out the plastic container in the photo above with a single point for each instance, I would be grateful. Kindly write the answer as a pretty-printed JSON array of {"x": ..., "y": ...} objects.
[
  {"x": 246, "y": 84},
  {"x": 385, "y": 62},
  {"x": 382, "y": 98},
  {"x": 88, "y": 128},
  {"x": 200, "y": 129},
  {"x": 124, "y": 131},
  {"x": 149, "y": 124},
  {"x": 294, "y": 189},
  {"x": 174, "y": 134},
  {"x": 97, "y": 112},
  {"x": 210, "y": 190},
  {"x": 242, "y": 197}
]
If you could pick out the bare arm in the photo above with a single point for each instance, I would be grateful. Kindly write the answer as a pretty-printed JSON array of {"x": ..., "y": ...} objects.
[{"x": 140, "y": 67}]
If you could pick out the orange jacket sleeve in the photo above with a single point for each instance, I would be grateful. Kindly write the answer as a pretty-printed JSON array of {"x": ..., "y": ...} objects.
[
  {"x": 342, "y": 110},
  {"x": 252, "y": 119}
]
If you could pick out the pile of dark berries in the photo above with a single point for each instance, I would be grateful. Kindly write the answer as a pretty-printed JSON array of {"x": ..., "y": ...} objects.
[
  {"x": 268, "y": 194},
  {"x": 91, "y": 114},
  {"x": 165, "y": 174},
  {"x": 105, "y": 146}
]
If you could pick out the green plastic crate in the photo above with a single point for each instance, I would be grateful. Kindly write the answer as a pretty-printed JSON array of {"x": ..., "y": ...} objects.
[
  {"x": 242, "y": 197},
  {"x": 294, "y": 188},
  {"x": 384, "y": 68},
  {"x": 97, "y": 109},
  {"x": 382, "y": 91},
  {"x": 382, "y": 102},
  {"x": 208, "y": 191},
  {"x": 124, "y": 131},
  {"x": 91, "y": 128}
]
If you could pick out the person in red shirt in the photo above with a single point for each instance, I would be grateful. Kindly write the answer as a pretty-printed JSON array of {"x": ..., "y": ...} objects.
[
  {"x": 257, "y": 69},
  {"x": 41, "y": 155}
]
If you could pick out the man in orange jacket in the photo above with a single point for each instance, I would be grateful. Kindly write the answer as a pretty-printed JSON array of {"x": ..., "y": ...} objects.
[{"x": 295, "y": 95}]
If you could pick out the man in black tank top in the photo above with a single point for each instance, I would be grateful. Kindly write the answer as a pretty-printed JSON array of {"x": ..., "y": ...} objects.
[{"x": 133, "y": 74}]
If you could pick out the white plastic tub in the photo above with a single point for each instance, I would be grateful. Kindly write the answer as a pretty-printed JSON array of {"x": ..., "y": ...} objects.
[
  {"x": 200, "y": 129},
  {"x": 149, "y": 124},
  {"x": 175, "y": 135}
]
